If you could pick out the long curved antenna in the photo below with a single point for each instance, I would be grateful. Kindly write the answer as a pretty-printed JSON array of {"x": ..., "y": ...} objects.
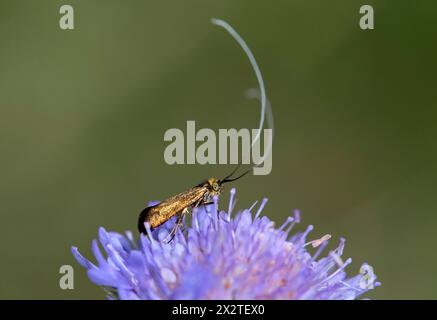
[
  {"x": 231, "y": 174},
  {"x": 240, "y": 176},
  {"x": 253, "y": 93},
  {"x": 243, "y": 45}
]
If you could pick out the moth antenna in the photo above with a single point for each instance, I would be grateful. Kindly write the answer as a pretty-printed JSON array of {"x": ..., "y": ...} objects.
[
  {"x": 253, "y": 93},
  {"x": 240, "y": 176},
  {"x": 230, "y": 175},
  {"x": 244, "y": 46}
]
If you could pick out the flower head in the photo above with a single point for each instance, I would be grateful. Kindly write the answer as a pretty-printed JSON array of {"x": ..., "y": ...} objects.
[{"x": 219, "y": 256}]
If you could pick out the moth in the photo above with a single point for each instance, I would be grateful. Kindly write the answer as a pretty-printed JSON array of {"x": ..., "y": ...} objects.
[{"x": 180, "y": 204}]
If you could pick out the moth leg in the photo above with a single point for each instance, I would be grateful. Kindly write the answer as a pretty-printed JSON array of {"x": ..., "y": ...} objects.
[
  {"x": 175, "y": 228},
  {"x": 184, "y": 212},
  {"x": 205, "y": 203},
  {"x": 197, "y": 203}
]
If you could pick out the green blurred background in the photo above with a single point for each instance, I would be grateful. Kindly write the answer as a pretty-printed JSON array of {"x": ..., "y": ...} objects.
[{"x": 83, "y": 114}]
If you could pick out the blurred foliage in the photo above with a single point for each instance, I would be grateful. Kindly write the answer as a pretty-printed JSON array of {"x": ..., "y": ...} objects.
[{"x": 83, "y": 114}]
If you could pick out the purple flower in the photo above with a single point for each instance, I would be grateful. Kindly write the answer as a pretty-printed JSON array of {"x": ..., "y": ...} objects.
[{"x": 219, "y": 256}]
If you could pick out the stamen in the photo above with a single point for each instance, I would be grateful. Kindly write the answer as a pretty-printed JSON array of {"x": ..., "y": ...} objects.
[
  {"x": 103, "y": 236},
  {"x": 337, "y": 258},
  {"x": 295, "y": 219},
  {"x": 286, "y": 222},
  {"x": 82, "y": 261},
  {"x": 340, "y": 247},
  {"x": 319, "y": 251},
  {"x": 292, "y": 224},
  {"x": 215, "y": 199},
  {"x": 253, "y": 205},
  {"x": 216, "y": 221},
  {"x": 232, "y": 209},
  {"x": 98, "y": 254},
  {"x": 296, "y": 213},
  {"x": 336, "y": 272},
  {"x": 118, "y": 261},
  {"x": 194, "y": 219},
  {"x": 350, "y": 286},
  {"x": 130, "y": 236},
  {"x": 231, "y": 201},
  {"x": 149, "y": 232},
  {"x": 307, "y": 231},
  {"x": 261, "y": 207},
  {"x": 318, "y": 242}
]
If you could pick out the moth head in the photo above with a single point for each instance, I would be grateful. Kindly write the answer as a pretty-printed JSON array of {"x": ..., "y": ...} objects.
[{"x": 215, "y": 185}]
